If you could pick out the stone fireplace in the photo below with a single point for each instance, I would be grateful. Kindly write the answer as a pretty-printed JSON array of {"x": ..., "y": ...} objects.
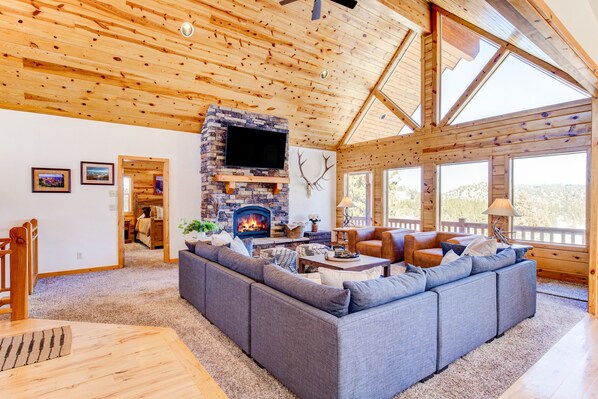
[
  {"x": 251, "y": 221},
  {"x": 213, "y": 143}
]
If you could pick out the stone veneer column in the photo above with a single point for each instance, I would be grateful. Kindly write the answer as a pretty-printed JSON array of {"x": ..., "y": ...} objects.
[{"x": 213, "y": 139}]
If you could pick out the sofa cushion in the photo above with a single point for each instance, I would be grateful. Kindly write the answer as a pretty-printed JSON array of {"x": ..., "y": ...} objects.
[
  {"x": 329, "y": 299},
  {"x": 370, "y": 248},
  {"x": 335, "y": 278},
  {"x": 222, "y": 238},
  {"x": 207, "y": 251},
  {"x": 371, "y": 293},
  {"x": 519, "y": 253},
  {"x": 246, "y": 265},
  {"x": 447, "y": 273},
  {"x": 190, "y": 245},
  {"x": 456, "y": 248},
  {"x": 449, "y": 257},
  {"x": 239, "y": 247},
  {"x": 493, "y": 262}
]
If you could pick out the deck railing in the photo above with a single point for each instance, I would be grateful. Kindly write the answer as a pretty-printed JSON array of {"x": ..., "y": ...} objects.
[
  {"x": 15, "y": 282},
  {"x": 554, "y": 235}
]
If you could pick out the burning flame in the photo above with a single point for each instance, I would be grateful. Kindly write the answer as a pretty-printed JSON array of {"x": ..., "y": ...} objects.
[{"x": 251, "y": 223}]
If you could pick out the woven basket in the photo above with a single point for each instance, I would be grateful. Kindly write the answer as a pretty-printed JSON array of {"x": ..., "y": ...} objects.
[{"x": 297, "y": 232}]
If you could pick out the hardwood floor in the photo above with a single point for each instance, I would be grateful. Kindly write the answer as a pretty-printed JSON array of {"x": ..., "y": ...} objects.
[{"x": 568, "y": 370}]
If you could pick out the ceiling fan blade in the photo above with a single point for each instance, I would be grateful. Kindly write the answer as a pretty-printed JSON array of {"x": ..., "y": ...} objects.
[
  {"x": 285, "y": 2},
  {"x": 347, "y": 3},
  {"x": 315, "y": 14}
]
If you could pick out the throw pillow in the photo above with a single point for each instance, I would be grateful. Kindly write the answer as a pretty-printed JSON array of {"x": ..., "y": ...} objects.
[
  {"x": 191, "y": 245},
  {"x": 304, "y": 250},
  {"x": 456, "y": 248},
  {"x": 519, "y": 253},
  {"x": 371, "y": 293},
  {"x": 239, "y": 247},
  {"x": 329, "y": 299},
  {"x": 246, "y": 265},
  {"x": 489, "y": 263},
  {"x": 447, "y": 273},
  {"x": 481, "y": 247},
  {"x": 449, "y": 257},
  {"x": 207, "y": 251},
  {"x": 283, "y": 257},
  {"x": 335, "y": 278},
  {"x": 248, "y": 242},
  {"x": 221, "y": 239}
]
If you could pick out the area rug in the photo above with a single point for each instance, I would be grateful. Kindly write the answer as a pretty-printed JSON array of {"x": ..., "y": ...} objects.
[
  {"x": 563, "y": 289},
  {"x": 146, "y": 293}
]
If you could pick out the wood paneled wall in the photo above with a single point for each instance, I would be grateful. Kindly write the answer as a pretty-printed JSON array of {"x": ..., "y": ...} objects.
[
  {"x": 143, "y": 173},
  {"x": 548, "y": 130}
]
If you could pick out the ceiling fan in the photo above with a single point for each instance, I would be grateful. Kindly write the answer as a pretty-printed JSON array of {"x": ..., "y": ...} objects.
[{"x": 317, "y": 10}]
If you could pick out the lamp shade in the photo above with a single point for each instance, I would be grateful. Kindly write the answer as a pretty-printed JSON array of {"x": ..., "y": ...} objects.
[
  {"x": 501, "y": 207},
  {"x": 346, "y": 202}
]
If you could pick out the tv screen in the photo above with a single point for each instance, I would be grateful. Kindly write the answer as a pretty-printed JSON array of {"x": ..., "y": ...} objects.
[{"x": 255, "y": 148}]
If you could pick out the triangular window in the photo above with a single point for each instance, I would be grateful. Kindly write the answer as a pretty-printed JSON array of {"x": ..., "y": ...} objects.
[
  {"x": 379, "y": 122},
  {"x": 517, "y": 86}
]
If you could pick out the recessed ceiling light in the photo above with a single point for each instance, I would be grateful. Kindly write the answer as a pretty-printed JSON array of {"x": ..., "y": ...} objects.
[
  {"x": 324, "y": 74},
  {"x": 187, "y": 29}
]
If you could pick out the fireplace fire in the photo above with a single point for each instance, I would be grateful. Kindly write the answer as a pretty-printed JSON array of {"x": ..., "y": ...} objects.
[{"x": 251, "y": 221}]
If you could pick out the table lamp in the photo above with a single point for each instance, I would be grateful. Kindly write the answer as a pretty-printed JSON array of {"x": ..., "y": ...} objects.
[
  {"x": 346, "y": 203},
  {"x": 501, "y": 207}
]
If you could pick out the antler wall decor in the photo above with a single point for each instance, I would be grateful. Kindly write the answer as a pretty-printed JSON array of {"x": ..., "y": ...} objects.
[{"x": 309, "y": 186}]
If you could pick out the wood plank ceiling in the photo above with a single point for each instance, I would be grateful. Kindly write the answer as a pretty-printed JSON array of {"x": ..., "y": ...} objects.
[{"x": 125, "y": 61}]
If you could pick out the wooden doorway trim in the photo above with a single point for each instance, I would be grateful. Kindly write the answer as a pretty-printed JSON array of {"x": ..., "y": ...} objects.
[{"x": 165, "y": 204}]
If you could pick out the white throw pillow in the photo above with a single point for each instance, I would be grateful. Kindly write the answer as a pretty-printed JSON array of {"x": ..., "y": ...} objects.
[
  {"x": 159, "y": 212},
  {"x": 239, "y": 247},
  {"x": 449, "y": 257},
  {"x": 221, "y": 239},
  {"x": 481, "y": 247},
  {"x": 335, "y": 278}
]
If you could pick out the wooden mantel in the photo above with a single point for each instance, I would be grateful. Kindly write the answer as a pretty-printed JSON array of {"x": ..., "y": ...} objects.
[{"x": 230, "y": 181}]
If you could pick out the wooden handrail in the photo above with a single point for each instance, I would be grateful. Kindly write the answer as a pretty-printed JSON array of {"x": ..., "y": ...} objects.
[
  {"x": 18, "y": 274},
  {"x": 32, "y": 254}
]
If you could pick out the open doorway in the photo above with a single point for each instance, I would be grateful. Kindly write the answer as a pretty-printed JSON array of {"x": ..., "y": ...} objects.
[{"x": 143, "y": 206}]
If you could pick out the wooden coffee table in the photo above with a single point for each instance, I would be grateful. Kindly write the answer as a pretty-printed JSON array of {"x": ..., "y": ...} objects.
[{"x": 363, "y": 263}]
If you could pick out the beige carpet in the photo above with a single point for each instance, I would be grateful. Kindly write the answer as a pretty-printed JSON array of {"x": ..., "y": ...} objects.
[{"x": 146, "y": 293}]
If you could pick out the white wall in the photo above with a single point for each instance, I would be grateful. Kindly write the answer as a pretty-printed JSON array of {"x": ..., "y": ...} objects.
[
  {"x": 320, "y": 202},
  {"x": 81, "y": 221}
]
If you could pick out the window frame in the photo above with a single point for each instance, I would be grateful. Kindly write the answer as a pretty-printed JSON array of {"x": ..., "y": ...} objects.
[
  {"x": 438, "y": 196},
  {"x": 546, "y": 153},
  {"x": 131, "y": 210},
  {"x": 421, "y": 200},
  {"x": 369, "y": 211}
]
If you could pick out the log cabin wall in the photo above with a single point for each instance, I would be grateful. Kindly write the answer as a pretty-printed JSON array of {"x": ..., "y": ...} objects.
[
  {"x": 548, "y": 130},
  {"x": 142, "y": 173}
]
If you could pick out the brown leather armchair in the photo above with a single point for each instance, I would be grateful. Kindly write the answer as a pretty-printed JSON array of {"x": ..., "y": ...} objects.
[
  {"x": 423, "y": 249},
  {"x": 381, "y": 242}
]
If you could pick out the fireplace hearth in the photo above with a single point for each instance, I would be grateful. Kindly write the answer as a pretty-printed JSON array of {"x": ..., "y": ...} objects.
[{"x": 251, "y": 221}]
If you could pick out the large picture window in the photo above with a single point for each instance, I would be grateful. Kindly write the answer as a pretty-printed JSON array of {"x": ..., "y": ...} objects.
[
  {"x": 550, "y": 194},
  {"x": 360, "y": 191},
  {"x": 463, "y": 197},
  {"x": 403, "y": 198}
]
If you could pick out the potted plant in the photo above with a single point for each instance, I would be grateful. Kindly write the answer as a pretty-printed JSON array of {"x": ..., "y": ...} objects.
[
  {"x": 314, "y": 219},
  {"x": 197, "y": 228}
]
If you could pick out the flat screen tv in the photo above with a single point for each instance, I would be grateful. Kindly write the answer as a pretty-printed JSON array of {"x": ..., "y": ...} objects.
[{"x": 255, "y": 148}]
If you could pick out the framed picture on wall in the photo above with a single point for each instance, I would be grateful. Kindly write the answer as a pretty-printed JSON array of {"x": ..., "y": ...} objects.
[
  {"x": 158, "y": 184},
  {"x": 47, "y": 180},
  {"x": 97, "y": 173}
]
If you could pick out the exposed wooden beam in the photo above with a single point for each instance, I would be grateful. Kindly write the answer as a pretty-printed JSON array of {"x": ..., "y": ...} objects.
[
  {"x": 551, "y": 69},
  {"x": 396, "y": 109},
  {"x": 593, "y": 227},
  {"x": 436, "y": 68},
  {"x": 535, "y": 21},
  {"x": 390, "y": 68},
  {"x": 479, "y": 81},
  {"x": 415, "y": 14}
]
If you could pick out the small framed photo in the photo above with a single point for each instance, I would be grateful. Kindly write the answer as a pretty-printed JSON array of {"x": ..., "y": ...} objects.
[
  {"x": 46, "y": 180},
  {"x": 158, "y": 184},
  {"x": 97, "y": 173}
]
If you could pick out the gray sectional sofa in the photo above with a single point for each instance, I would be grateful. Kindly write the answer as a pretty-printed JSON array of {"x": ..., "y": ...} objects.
[{"x": 306, "y": 336}]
